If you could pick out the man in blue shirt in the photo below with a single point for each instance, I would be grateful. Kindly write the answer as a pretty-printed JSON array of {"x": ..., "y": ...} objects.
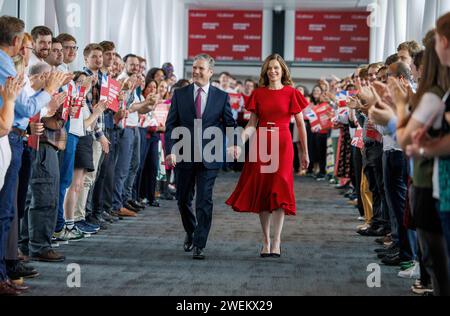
[{"x": 11, "y": 36}]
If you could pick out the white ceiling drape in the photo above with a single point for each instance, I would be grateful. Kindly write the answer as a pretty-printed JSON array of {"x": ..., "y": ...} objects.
[{"x": 154, "y": 29}]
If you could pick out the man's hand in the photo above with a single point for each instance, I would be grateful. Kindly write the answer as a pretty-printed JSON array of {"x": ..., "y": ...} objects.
[
  {"x": 399, "y": 93},
  {"x": 54, "y": 82},
  {"x": 69, "y": 78},
  {"x": 12, "y": 88},
  {"x": 367, "y": 97},
  {"x": 37, "y": 129},
  {"x": 105, "y": 144},
  {"x": 120, "y": 115},
  {"x": 100, "y": 107},
  {"x": 171, "y": 161},
  {"x": 381, "y": 114}
]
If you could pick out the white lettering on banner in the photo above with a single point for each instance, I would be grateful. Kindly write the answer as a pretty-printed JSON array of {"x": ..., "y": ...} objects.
[
  {"x": 348, "y": 27},
  {"x": 241, "y": 26},
  {"x": 225, "y": 15},
  {"x": 305, "y": 16},
  {"x": 304, "y": 38},
  {"x": 224, "y": 58},
  {"x": 358, "y": 60},
  {"x": 347, "y": 49},
  {"x": 317, "y": 27},
  {"x": 252, "y": 58},
  {"x": 304, "y": 59},
  {"x": 331, "y": 60},
  {"x": 252, "y": 37},
  {"x": 359, "y": 39},
  {"x": 209, "y": 47},
  {"x": 331, "y": 38},
  {"x": 252, "y": 16},
  {"x": 240, "y": 48},
  {"x": 198, "y": 15},
  {"x": 316, "y": 49},
  {"x": 197, "y": 36},
  {"x": 359, "y": 17},
  {"x": 225, "y": 37},
  {"x": 209, "y": 26},
  {"x": 332, "y": 17}
]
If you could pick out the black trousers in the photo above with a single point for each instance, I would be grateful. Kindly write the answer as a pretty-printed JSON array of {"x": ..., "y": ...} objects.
[
  {"x": 373, "y": 158},
  {"x": 320, "y": 150},
  {"x": 357, "y": 166},
  {"x": 196, "y": 222},
  {"x": 104, "y": 184}
]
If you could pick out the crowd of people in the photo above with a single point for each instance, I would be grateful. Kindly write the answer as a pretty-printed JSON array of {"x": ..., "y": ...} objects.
[{"x": 70, "y": 172}]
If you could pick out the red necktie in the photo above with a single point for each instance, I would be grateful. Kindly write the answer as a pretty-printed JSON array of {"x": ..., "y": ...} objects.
[{"x": 198, "y": 103}]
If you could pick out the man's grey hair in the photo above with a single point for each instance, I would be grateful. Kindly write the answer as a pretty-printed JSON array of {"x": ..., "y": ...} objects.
[
  {"x": 206, "y": 57},
  {"x": 403, "y": 70},
  {"x": 39, "y": 68}
]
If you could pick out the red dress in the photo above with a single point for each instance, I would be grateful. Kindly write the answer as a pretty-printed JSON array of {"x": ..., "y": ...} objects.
[{"x": 259, "y": 190}]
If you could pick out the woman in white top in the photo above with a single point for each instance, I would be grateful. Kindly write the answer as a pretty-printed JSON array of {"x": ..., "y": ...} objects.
[{"x": 8, "y": 94}]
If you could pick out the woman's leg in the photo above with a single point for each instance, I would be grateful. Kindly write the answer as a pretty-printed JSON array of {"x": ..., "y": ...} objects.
[
  {"x": 278, "y": 221},
  {"x": 265, "y": 225},
  {"x": 72, "y": 194}
]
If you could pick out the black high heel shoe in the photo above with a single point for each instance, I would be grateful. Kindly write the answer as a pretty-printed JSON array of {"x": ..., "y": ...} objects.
[
  {"x": 275, "y": 255},
  {"x": 264, "y": 255}
]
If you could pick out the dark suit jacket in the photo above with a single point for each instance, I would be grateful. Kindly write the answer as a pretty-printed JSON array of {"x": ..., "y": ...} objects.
[{"x": 182, "y": 114}]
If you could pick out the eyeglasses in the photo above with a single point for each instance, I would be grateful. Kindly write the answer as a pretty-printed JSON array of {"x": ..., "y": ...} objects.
[{"x": 75, "y": 48}]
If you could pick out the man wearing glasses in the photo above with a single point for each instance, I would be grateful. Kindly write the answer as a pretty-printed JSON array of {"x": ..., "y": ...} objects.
[{"x": 70, "y": 49}]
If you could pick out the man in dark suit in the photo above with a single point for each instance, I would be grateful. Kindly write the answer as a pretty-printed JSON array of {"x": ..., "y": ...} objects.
[{"x": 194, "y": 109}]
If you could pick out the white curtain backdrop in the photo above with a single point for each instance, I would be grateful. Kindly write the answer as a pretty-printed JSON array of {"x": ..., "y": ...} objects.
[
  {"x": 396, "y": 21},
  {"x": 157, "y": 29},
  {"x": 154, "y": 29}
]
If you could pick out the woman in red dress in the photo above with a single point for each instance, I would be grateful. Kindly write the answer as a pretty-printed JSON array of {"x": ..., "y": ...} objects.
[{"x": 266, "y": 187}]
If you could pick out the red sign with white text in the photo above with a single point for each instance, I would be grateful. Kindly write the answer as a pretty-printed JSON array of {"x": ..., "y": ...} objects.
[
  {"x": 226, "y": 35},
  {"x": 332, "y": 37}
]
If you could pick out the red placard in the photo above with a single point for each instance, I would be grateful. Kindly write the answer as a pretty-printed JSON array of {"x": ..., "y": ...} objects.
[
  {"x": 161, "y": 112},
  {"x": 332, "y": 36},
  {"x": 33, "y": 140},
  {"x": 225, "y": 34},
  {"x": 67, "y": 103},
  {"x": 324, "y": 113},
  {"x": 235, "y": 101}
]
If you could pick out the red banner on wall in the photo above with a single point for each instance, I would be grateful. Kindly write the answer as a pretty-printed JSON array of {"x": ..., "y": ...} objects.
[
  {"x": 332, "y": 37},
  {"x": 226, "y": 35}
]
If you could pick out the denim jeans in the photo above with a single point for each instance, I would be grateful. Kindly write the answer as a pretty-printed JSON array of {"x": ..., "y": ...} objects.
[
  {"x": 66, "y": 161},
  {"x": 8, "y": 196},
  {"x": 395, "y": 188},
  {"x": 103, "y": 188},
  {"x": 122, "y": 168},
  {"x": 373, "y": 160},
  {"x": 134, "y": 167}
]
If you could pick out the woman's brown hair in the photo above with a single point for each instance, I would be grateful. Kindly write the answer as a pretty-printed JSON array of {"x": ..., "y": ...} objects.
[
  {"x": 434, "y": 74},
  {"x": 286, "y": 79}
]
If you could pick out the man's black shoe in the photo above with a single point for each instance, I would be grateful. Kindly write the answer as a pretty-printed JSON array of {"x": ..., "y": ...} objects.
[
  {"x": 131, "y": 207},
  {"x": 198, "y": 254},
  {"x": 155, "y": 204},
  {"x": 136, "y": 204},
  {"x": 188, "y": 243},
  {"x": 392, "y": 260}
]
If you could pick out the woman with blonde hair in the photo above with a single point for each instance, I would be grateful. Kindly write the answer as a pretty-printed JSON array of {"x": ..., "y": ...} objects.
[{"x": 270, "y": 193}]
